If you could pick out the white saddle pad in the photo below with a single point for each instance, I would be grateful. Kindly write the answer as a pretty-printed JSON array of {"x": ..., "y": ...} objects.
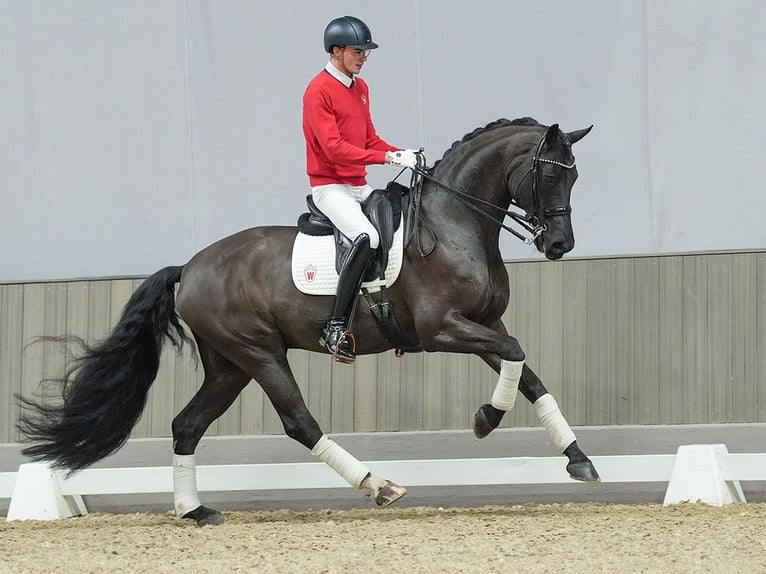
[{"x": 314, "y": 264}]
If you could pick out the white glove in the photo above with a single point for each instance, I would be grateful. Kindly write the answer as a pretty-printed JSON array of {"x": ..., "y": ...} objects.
[{"x": 404, "y": 158}]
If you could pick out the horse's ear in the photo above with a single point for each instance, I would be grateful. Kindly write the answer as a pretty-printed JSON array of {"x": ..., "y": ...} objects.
[
  {"x": 576, "y": 136},
  {"x": 552, "y": 136}
]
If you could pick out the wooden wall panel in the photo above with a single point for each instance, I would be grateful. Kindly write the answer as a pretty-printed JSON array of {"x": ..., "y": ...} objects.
[
  {"x": 600, "y": 352},
  {"x": 759, "y": 363},
  {"x": 670, "y": 351},
  {"x": 11, "y": 349},
  {"x": 646, "y": 326},
  {"x": 574, "y": 328},
  {"x": 365, "y": 394},
  {"x": 634, "y": 340},
  {"x": 744, "y": 333},
  {"x": 694, "y": 340}
]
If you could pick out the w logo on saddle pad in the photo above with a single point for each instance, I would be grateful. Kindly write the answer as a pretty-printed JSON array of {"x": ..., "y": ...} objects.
[
  {"x": 313, "y": 264},
  {"x": 310, "y": 273}
]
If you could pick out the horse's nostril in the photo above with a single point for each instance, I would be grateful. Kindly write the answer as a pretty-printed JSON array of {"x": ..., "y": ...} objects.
[
  {"x": 557, "y": 249},
  {"x": 561, "y": 247}
]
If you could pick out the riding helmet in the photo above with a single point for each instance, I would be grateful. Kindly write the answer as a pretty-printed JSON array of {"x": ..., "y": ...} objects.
[{"x": 348, "y": 31}]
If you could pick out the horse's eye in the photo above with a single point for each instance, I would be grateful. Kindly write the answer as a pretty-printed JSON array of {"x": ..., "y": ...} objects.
[{"x": 549, "y": 178}]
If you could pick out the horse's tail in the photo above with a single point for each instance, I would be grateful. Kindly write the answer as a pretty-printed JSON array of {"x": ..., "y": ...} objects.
[{"x": 105, "y": 390}]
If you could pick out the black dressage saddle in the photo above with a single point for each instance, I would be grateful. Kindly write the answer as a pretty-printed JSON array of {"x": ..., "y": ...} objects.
[{"x": 384, "y": 210}]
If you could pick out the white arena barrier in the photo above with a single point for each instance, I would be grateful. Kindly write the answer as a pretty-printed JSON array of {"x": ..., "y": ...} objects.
[{"x": 696, "y": 473}]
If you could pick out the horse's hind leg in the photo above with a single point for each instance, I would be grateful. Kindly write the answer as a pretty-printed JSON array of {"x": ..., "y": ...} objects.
[
  {"x": 223, "y": 383},
  {"x": 488, "y": 416},
  {"x": 273, "y": 373}
]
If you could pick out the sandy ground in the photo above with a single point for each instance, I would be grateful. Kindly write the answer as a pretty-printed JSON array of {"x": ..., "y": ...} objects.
[{"x": 530, "y": 539}]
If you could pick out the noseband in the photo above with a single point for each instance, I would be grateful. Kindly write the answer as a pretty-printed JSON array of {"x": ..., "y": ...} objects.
[{"x": 533, "y": 223}]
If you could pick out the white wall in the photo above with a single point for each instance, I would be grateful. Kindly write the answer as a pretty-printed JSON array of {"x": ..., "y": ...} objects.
[{"x": 135, "y": 133}]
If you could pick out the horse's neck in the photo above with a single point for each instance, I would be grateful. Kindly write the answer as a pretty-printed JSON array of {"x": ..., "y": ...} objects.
[
  {"x": 480, "y": 168},
  {"x": 458, "y": 225},
  {"x": 483, "y": 179}
]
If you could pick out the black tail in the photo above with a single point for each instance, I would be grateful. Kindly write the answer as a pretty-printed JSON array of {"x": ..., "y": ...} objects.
[{"x": 105, "y": 390}]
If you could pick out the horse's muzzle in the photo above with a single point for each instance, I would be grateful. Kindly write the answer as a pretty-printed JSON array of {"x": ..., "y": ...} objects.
[{"x": 554, "y": 248}]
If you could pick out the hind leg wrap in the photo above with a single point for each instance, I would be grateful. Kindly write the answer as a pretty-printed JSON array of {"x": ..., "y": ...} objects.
[
  {"x": 185, "y": 495},
  {"x": 554, "y": 422},
  {"x": 340, "y": 460},
  {"x": 504, "y": 396}
]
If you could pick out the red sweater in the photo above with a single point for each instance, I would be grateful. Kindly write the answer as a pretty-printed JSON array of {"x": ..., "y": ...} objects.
[{"x": 340, "y": 137}]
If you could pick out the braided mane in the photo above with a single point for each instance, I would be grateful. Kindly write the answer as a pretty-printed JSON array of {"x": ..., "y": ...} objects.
[{"x": 501, "y": 123}]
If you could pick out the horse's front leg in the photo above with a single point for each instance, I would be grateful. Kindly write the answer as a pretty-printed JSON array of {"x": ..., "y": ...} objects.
[{"x": 489, "y": 415}]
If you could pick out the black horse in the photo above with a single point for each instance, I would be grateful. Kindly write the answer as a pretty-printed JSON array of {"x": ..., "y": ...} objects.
[{"x": 239, "y": 301}]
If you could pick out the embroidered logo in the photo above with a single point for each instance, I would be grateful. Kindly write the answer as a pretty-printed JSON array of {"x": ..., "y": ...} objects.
[
  {"x": 310, "y": 273},
  {"x": 364, "y": 99}
]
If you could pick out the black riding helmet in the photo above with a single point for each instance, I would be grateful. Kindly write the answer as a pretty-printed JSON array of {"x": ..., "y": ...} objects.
[{"x": 348, "y": 31}]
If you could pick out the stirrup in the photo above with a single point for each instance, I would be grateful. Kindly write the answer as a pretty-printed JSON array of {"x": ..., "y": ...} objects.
[{"x": 338, "y": 341}]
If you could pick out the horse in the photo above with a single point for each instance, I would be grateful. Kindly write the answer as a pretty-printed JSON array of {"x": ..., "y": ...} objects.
[{"x": 238, "y": 301}]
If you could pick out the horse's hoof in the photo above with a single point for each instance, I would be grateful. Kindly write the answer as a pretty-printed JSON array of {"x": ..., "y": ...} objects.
[
  {"x": 485, "y": 420},
  {"x": 389, "y": 493},
  {"x": 584, "y": 471},
  {"x": 205, "y": 516}
]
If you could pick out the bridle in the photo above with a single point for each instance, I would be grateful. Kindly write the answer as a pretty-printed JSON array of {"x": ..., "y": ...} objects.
[{"x": 533, "y": 223}]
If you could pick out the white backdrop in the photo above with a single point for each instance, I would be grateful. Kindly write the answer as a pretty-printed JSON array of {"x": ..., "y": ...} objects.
[{"x": 135, "y": 133}]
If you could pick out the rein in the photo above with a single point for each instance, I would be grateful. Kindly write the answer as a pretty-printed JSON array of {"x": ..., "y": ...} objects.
[{"x": 533, "y": 223}]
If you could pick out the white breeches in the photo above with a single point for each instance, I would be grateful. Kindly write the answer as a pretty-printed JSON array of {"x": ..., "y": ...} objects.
[{"x": 341, "y": 203}]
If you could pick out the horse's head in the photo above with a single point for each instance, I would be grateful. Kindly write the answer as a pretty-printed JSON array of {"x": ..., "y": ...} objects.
[{"x": 542, "y": 187}]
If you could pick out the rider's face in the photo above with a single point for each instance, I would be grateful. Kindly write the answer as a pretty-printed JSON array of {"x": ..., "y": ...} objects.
[{"x": 351, "y": 60}]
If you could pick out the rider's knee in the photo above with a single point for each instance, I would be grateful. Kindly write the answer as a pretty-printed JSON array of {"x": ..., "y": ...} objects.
[{"x": 374, "y": 238}]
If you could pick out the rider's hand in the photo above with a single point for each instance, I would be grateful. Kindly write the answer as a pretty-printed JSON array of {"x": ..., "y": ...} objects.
[{"x": 404, "y": 158}]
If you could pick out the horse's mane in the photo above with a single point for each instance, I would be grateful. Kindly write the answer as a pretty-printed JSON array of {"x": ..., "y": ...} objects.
[{"x": 501, "y": 123}]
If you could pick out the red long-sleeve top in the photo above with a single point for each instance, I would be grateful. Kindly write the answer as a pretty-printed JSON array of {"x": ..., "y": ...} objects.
[{"x": 340, "y": 137}]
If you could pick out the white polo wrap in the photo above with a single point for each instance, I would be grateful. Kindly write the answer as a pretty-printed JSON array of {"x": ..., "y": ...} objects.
[
  {"x": 504, "y": 396},
  {"x": 554, "y": 422},
  {"x": 338, "y": 459},
  {"x": 185, "y": 496}
]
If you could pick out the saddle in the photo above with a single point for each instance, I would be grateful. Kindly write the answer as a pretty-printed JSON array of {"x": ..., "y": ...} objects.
[{"x": 383, "y": 208}]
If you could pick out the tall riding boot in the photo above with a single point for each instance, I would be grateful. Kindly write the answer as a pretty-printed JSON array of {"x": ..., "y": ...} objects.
[{"x": 335, "y": 336}]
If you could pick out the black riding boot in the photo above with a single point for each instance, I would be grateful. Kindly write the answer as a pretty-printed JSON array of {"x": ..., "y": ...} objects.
[{"x": 335, "y": 337}]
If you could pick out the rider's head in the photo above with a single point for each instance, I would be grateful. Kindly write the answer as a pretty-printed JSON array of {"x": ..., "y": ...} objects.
[
  {"x": 348, "y": 32},
  {"x": 349, "y": 41}
]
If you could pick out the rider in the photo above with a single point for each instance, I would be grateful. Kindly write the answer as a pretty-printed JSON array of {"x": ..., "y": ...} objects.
[{"x": 340, "y": 141}]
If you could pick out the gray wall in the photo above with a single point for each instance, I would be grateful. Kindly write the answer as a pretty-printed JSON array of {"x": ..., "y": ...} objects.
[
  {"x": 632, "y": 340},
  {"x": 135, "y": 133}
]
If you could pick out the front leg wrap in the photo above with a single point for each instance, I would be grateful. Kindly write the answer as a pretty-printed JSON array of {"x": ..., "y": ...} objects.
[
  {"x": 504, "y": 396},
  {"x": 341, "y": 461},
  {"x": 554, "y": 422}
]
